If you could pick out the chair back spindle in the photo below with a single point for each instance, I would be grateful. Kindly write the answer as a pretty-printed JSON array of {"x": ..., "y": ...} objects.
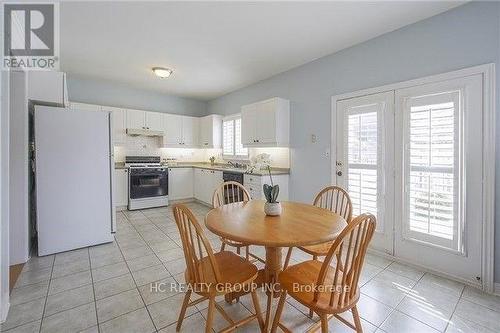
[
  {"x": 229, "y": 192},
  {"x": 195, "y": 246},
  {"x": 335, "y": 199},
  {"x": 350, "y": 247}
]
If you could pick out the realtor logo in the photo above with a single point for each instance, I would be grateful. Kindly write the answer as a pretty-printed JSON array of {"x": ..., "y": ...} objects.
[{"x": 31, "y": 36}]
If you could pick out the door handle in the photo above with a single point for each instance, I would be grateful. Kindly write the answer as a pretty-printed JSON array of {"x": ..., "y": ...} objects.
[{"x": 339, "y": 173}]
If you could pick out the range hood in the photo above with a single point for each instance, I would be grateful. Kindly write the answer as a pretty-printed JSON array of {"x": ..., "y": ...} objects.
[{"x": 144, "y": 132}]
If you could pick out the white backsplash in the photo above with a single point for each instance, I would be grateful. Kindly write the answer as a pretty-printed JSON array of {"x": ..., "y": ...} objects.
[{"x": 151, "y": 146}]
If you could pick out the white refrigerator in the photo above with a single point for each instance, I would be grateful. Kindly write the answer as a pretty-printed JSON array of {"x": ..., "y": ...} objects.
[{"x": 73, "y": 179}]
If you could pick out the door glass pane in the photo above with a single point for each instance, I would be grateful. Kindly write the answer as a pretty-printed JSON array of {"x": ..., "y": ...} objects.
[
  {"x": 432, "y": 164},
  {"x": 362, "y": 159}
]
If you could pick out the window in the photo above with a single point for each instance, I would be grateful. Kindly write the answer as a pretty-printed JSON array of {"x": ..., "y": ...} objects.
[
  {"x": 432, "y": 176},
  {"x": 362, "y": 158},
  {"x": 231, "y": 138}
]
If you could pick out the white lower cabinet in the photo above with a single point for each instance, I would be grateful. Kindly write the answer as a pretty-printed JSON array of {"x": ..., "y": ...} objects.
[
  {"x": 180, "y": 183},
  {"x": 120, "y": 191},
  {"x": 205, "y": 183},
  {"x": 254, "y": 184}
]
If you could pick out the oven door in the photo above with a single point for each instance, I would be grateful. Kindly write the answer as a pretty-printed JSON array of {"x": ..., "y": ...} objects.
[{"x": 148, "y": 182}]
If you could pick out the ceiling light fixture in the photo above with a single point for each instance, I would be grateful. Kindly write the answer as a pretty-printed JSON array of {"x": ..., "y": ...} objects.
[{"x": 162, "y": 72}]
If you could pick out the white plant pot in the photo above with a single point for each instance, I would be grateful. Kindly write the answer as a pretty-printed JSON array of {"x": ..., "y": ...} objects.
[{"x": 272, "y": 209}]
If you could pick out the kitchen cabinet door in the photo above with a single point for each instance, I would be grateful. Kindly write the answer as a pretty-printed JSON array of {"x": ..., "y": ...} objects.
[
  {"x": 210, "y": 131},
  {"x": 198, "y": 184},
  {"x": 180, "y": 183},
  {"x": 120, "y": 191},
  {"x": 205, "y": 132},
  {"x": 119, "y": 124},
  {"x": 172, "y": 125},
  {"x": 136, "y": 119},
  {"x": 266, "y": 116},
  {"x": 154, "y": 121},
  {"x": 249, "y": 124},
  {"x": 190, "y": 131}
]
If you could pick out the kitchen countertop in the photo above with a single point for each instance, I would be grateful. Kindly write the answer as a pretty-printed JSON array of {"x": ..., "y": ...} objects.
[{"x": 218, "y": 167}]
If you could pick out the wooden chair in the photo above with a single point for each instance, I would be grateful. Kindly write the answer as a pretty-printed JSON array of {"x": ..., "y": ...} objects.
[
  {"x": 226, "y": 193},
  {"x": 325, "y": 289},
  {"x": 210, "y": 275},
  {"x": 335, "y": 199}
]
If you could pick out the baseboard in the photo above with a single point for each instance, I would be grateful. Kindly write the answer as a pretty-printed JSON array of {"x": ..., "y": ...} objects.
[
  {"x": 179, "y": 201},
  {"x": 189, "y": 200},
  {"x": 4, "y": 307},
  {"x": 425, "y": 269}
]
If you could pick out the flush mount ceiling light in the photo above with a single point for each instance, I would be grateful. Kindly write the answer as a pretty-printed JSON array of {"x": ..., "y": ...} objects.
[{"x": 162, "y": 72}]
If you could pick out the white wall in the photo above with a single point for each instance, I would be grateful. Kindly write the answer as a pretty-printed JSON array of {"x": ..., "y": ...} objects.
[
  {"x": 4, "y": 187},
  {"x": 4, "y": 195},
  {"x": 18, "y": 176},
  {"x": 102, "y": 92}
]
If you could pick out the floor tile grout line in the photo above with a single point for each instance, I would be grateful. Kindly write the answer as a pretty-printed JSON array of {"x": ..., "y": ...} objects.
[
  {"x": 455, "y": 309},
  {"x": 95, "y": 298},
  {"x": 162, "y": 263},
  {"x": 47, "y": 296},
  {"x": 396, "y": 310},
  {"x": 135, "y": 282}
]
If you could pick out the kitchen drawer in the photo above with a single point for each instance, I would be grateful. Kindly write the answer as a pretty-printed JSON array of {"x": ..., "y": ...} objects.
[
  {"x": 252, "y": 180},
  {"x": 255, "y": 194}
]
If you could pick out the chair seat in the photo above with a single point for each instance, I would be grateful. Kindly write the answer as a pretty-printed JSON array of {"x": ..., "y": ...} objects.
[
  {"x": 319, "y": 250},
  {"x": 298, "y": 280},
  {"x": 235, "y": 271}
]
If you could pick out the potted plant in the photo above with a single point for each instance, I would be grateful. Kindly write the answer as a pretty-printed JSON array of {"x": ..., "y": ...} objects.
[{"x": 272, "y": 207}]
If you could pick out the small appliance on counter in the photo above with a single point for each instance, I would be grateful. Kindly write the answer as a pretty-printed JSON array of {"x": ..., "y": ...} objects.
[{"x": 148, "y": 182}]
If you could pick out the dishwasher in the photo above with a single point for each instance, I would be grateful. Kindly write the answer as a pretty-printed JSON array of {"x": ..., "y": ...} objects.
[{"x": 229, "y": 194}]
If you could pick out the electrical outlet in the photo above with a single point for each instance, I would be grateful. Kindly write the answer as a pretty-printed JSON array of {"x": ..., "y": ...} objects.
[{"x": 314, "y": 138}]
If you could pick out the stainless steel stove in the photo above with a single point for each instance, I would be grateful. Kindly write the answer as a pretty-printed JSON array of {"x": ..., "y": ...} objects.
[{"x": 148, "y": 182}]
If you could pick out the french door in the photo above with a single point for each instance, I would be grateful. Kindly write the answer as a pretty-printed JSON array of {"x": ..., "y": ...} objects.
[
  {"x": 365, "y": 127},
  {"x": 414, "y": 158}
]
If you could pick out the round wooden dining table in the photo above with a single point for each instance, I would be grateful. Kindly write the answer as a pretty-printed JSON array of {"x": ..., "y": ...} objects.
[{"x": 298, "y": 225}]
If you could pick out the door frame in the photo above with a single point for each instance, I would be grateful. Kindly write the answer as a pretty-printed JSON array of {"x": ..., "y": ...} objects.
[{"x": 489, "y": 136}]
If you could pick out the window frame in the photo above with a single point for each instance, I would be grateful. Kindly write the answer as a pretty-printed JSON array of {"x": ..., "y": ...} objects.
[{"x": 233, "y": 156}]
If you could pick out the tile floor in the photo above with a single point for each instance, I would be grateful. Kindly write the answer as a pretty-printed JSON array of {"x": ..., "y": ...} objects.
[{"x": 106, "y": 288}]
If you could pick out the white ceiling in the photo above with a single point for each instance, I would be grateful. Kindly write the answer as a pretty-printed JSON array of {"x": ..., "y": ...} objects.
[{"x": 217, "y": 47}]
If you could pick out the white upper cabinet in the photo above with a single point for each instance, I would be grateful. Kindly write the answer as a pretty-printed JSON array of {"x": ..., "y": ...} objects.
[
  {"x": 154, "y": 121},
  {"x": 172, "y": 126},
  {"x": 180, "y": 131},
  {"x": 48, "y": 86},
  {"x": 145, "y": 120},
  {"x": 266, "y": 123},
  {"x": 119, "y": 124},
  {"x": 136, "y": 119},
  {"x": 211, "y": 131},
  {"x": 190, "y": 129},
  {"x": 248, "y": 124}
]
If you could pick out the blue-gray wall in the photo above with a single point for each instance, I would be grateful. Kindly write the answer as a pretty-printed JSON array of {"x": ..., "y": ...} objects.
[
  {"x": 466, "y": 36},
  {"x": 94, "y": 91}
]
